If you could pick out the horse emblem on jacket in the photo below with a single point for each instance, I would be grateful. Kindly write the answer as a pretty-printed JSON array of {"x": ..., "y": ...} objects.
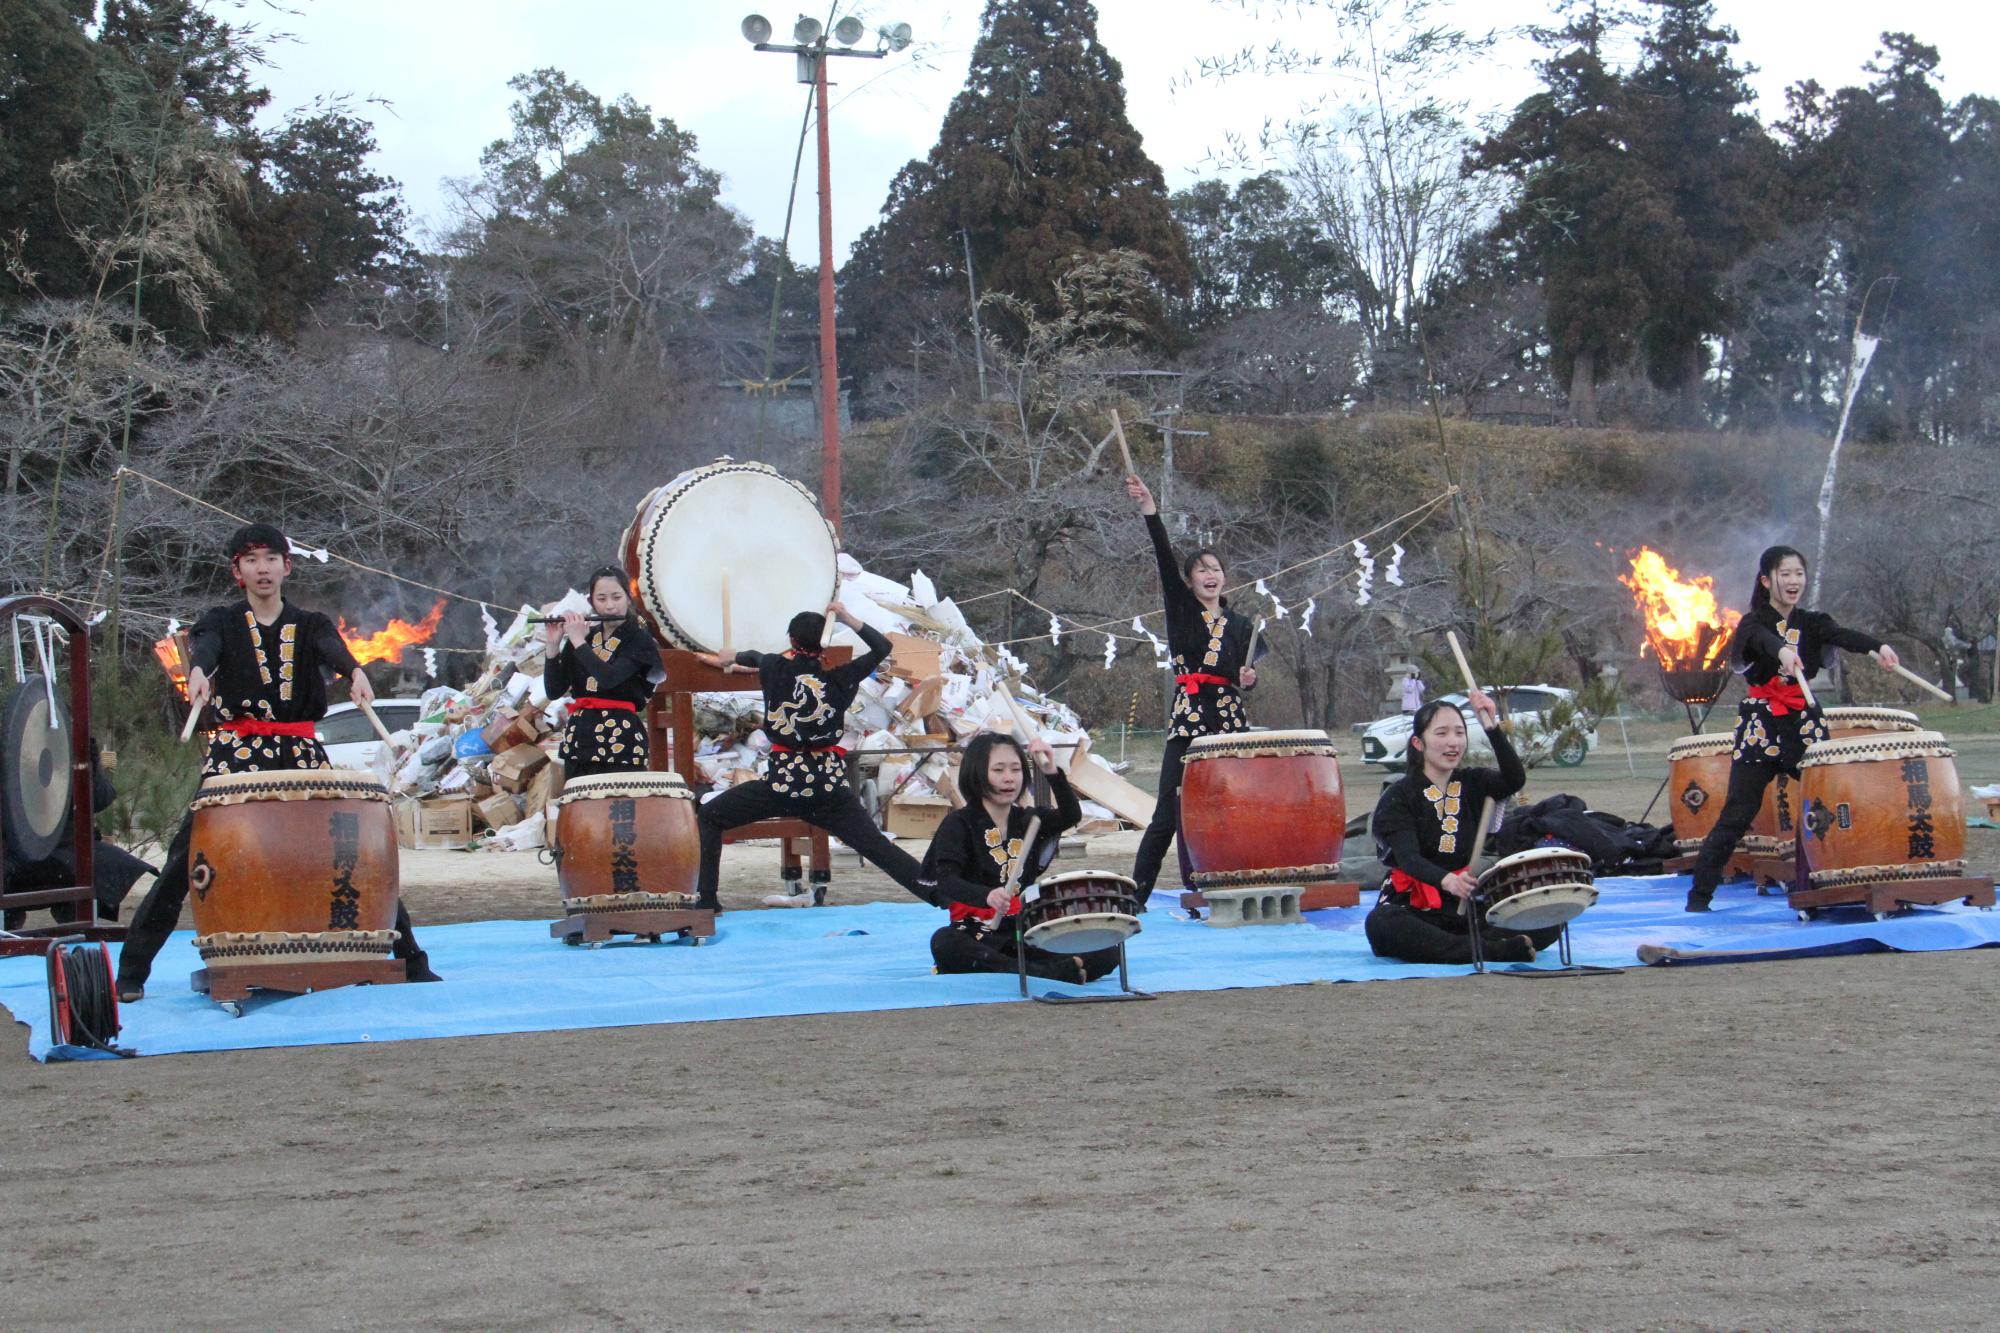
[{"x": 807, "y": 707}]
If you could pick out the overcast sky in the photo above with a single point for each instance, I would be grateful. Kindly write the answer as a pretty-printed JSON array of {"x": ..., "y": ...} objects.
[{"x": 442, "y": 68}]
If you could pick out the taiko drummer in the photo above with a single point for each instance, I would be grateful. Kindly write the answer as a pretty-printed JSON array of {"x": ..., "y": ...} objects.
[
  {"x": 262, "y": 663},
  {"x": 1424, "y": 827},
  {"x": 976, "y": 850},
  {"x": 1209, "y": 643},
  {"x": 1778, "y": 644},
  {"x": 609, "y": 665}
]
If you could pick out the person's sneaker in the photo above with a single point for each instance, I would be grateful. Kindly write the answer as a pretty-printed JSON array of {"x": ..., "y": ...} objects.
[
  {"x": 418, "y": 967},
  {"x": 130, "y": 992},
  {"x": 800, "y": 899},
  {"x": 708, "y": 905},
  {"x": 1698, "y": 903}
]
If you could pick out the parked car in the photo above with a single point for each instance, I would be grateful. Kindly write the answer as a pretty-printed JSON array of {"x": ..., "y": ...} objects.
[
  {"x": 351, "y": 743},
  {"x": 1527, "y": 706}
]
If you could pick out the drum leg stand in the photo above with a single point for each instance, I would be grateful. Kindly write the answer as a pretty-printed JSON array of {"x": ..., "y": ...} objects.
[
  {"x": 1125, "y": 991},
  {"x": 693, "y": 924},
  {"x": 230, "y": 986},
  {"x": 1569, "y": 967},
  {"x": 1883, "y": 898}
]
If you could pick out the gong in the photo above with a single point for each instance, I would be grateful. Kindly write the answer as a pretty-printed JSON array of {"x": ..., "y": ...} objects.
[{"x": 35, "y": 758}]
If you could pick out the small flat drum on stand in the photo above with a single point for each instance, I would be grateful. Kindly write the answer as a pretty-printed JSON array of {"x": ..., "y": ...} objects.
[{"x": 1084, "y": 911}]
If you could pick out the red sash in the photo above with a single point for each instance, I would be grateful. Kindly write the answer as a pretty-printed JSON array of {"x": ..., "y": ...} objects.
[
  {"x": 1194, "y": 680},
  {"x": 808, "y": 749},
  {"x": 251, "y": 726},
  {"x": 1781, "y": 694},
  {"x": 1424, "y": 897},
  {"x": 590, "y": 701},
  {"x": 960, "y": 911}
]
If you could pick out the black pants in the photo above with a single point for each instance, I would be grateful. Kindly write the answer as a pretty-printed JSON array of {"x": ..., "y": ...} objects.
[
  {"x": 1746, "y": 794},
  {"x": 161, "y": 911},
  {"x": 963, "y": 947},
  {"x": 1394, "y": 931},
  {"x": 839, "y": 812},
  {"x": 1166, "y": 822}
]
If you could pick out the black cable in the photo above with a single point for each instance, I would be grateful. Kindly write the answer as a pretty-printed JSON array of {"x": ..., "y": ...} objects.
[{"x": 92, "y": 1003}]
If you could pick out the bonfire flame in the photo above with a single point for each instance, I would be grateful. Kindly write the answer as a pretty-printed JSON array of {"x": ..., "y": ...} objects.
[
  {"x": 172, "y": 653},
  {"x": 1684, "y": 627},
  {"x": 387, "y": 645}
]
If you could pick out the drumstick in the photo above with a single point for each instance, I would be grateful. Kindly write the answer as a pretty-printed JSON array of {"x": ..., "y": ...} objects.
[
  {"x": 187, "y": 727},
  {"x": 1020, "y": 862},
  {"x": 1118, "y": 433},
  {"x": 1479, "y": 835},
  {"x": 1256, "y": 632},
  {"x": 1914, "y": 678},
  {"x": 368, "y": 712},
  {"x": 1806, "y": 690},
  {"x": 1024, "y": 727},
  {"x": 727, "y": 637}
]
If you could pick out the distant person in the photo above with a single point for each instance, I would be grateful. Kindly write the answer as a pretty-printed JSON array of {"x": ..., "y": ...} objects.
[
  {"x": 1777, "y": 645},
  {"x": 1413, "y": 692},
  {"x": 1209, "y": 643},
  {"x": 1425, "y": 825}
]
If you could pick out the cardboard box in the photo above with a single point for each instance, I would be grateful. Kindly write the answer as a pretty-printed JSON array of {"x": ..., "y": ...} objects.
[
  {"x": 543, "y": 789},
  {"x": 916, "y": 816},
  {"x": 442, "y": 823},
  {"x": 914, "y": 659},
  {"x": 515, "y": 769},
  {"x": 510, "y": 728},
  {"x": 498, "y": 811}
]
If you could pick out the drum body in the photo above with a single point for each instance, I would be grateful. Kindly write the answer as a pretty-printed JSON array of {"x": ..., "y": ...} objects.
[
  {"x": 294, "y": 866},
  {"x": 759, "y": 525},
  {"x": 625, "y": 834},
  {"x": 1698, "y": 777},
  {"x": 1842, "y": 723},
  {"x": 1081, "y": 912},
  {"x": 1882, "y": 807},
  {"x": 1262, "y": 808},
  {"x": 1774, "y": 830},
  {"x": 1536, "y": 889}
]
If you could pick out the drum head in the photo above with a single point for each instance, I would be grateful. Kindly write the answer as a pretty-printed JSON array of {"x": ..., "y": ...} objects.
[
  {"x": 1542, "y": 857},
  {"x": 750, "y": 520},
  {"x": 1540, "y": 908},
  {"x": 1082, "y": 934},
  {"x": 34, "y": 786}
]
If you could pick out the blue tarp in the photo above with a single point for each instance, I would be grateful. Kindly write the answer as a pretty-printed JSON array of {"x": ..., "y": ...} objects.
[{"x": 509, "y": 976}]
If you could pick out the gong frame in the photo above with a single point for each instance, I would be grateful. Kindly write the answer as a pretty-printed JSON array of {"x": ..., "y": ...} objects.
[{"x": 83, "y": 819}]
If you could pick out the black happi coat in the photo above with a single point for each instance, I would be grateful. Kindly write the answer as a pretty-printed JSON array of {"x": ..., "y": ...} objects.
[
  {"x": 1426, "y": 831},
  {"x": 617, "y": 661},
  {"x": 1772, "y": 734},
  {"x": 271, "y": 673},
  {"x": 969, "y": 858},
  {"x": 1202, "y": 642},
  {"x": 805, "y": 713}
]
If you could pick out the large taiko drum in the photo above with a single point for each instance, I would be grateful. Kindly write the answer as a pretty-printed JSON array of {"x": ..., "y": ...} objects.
[
  {"x": 1080, "y": 912},
  {"x": 626, "y": 842},
  {"x": 1698, "y": 777},
  {"x": 1881, "y": 807},
  {"x": 762, "y": 527},
  {"x": 1262, "y": 807},
  {"x": 1537, "y": 889},
  {"x": 293, "y": 867},
  {"x": 1775, "y": 830}
]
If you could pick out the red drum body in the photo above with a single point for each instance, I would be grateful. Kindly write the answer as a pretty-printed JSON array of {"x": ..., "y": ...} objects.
[
  {"x": 626, "y": 840},
  {"x": 749, "y": 519},
  {"x": 1885, "y": 806},
  {"x": 1081, "y": 912},
  {"x": 297, "y": 866},
  {"x": 1262, "y": 808}
]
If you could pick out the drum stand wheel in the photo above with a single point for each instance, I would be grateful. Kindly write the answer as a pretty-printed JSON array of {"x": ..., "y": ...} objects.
[{"x": 1125, "y": 991}]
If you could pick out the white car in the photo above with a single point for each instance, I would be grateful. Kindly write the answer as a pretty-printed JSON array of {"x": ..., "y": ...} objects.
[
  {"x": 1385, "y": 741},
  {"x": 351, "y": 743}
]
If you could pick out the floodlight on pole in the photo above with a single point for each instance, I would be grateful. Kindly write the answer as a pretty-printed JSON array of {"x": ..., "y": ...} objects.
[{"x": 812, "y": 52}]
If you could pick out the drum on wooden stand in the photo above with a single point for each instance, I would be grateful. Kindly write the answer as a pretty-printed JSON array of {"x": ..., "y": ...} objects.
[
  {"x": 627, "y": 851},
  {"x": 1698, "y": 777},
  {"x": 1537, "y": 889},
  {"x": 1262, "y": 808},
  {"x": 1775, "y": 830},
  {"x": 1842, "y": 723},
  {"x": 293, "y": 868},
  {"x": 749, "y": 519},
  {"x": 1080, "y": 912},
  {"x": 1880, "y": 808}
]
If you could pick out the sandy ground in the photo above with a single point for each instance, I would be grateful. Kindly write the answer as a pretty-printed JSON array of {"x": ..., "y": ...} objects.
[{"x": 1780, "y": 1145}]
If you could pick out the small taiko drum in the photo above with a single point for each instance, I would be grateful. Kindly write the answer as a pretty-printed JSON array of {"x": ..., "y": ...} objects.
[
  {"x": 1842, "y": 723},
  {"x": 1698, "y": 777},
  {"x": 1881, "y": 807},
  {"x": 293, "y": 867},
  {"x": 1262, "y": 807},
  {"x": 1080, "y": 912},
  {"x": 1536, "y": 889},
  {"x": 749, "y": 519},
  {"x": 626, "y": 842}
]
